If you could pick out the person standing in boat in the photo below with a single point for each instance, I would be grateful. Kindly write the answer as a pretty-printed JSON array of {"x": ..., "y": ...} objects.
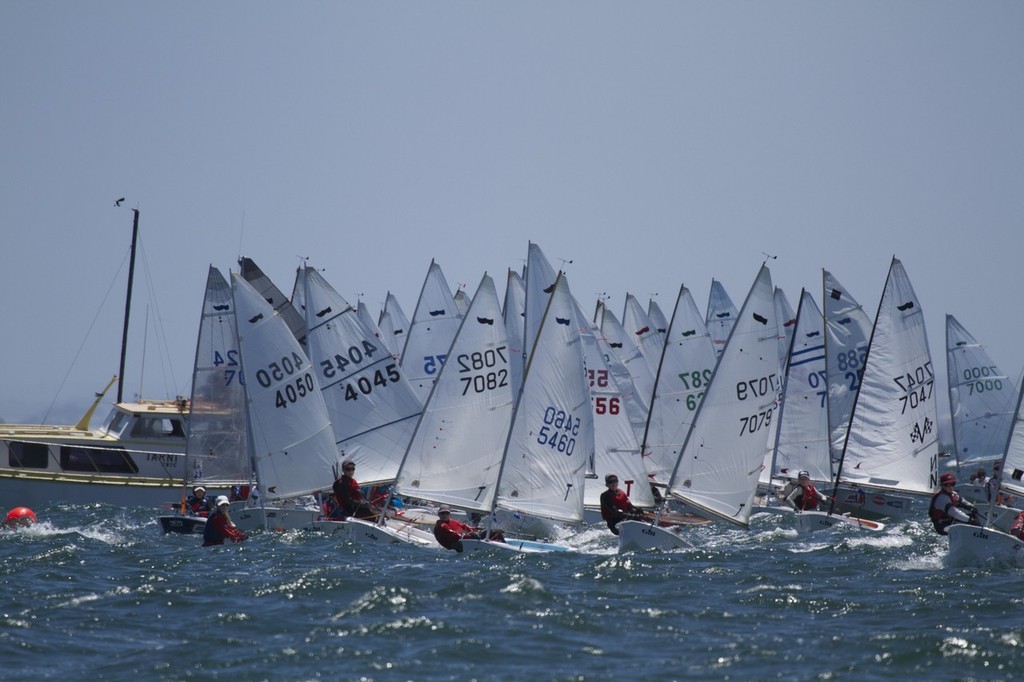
[
  {"x": 349, "y": 495},
  {"x": 947, "y": 507},
  {"x": 805, "y": 497},
  {"x": 220, "y": 527},
  {"x": 198, "y": 504},
  {"x": 615, "y": 505},
  {"x": 450, "y": 532}
]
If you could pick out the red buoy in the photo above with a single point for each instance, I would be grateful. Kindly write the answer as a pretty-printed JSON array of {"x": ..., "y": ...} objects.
[{"x": 20, "y": 516}]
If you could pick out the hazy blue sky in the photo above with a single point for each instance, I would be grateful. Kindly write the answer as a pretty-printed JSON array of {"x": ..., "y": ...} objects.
[{"x": 651, "y": 143}]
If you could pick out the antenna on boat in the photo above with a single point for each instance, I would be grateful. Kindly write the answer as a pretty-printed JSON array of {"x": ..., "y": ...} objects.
[
  {"x": 127, "y": 301},
  {"x": 767, "y": 257},
  {"x": 564, "y": 263}
]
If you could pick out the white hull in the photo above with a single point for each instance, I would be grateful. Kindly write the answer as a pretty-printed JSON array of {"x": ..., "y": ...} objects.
[
  {"x": 637, "y": 536},
  {"x": 276, "y": 519},
  {"x": 392, "y": 532},
  {"x": 810, "y": 521},
  {"x": 330, "y": 527},
  {"x": 972, "y": 546},
  {"x": 513, "y": 545}
]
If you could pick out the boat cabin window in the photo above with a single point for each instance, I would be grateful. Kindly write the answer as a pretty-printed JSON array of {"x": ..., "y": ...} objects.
[
  {"x": 116, "y": 422},
  {"x": 97, "y": 460},
  {"x": 27, "y": 455},
  {"x": 157, "y": 427}
]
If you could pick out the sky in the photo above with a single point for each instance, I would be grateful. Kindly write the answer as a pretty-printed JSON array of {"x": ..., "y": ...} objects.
[{"x": 642, "y": 145}]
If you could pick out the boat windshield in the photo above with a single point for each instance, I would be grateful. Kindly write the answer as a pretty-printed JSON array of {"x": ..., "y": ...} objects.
[{"x": 116, "y": 423}]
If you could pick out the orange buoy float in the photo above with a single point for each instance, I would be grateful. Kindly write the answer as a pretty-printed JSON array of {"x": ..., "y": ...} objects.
[{"x": 20, "y": 516}]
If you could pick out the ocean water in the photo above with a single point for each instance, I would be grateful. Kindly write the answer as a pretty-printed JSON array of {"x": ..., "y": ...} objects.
[{"x": 100, "y": 593}]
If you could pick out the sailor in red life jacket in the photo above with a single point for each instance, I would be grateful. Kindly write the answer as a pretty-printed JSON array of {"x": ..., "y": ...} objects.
[
  {"x": 350, "y": 496},
  {"x": 450, "y": 533},
  {"x": 219, "y": 526},
  {"x": 615, "y": 505},
  {"x": 947, "y": 506},
  {"x": 805, "y": 497},
  {"x": 1017, "y": 529}
]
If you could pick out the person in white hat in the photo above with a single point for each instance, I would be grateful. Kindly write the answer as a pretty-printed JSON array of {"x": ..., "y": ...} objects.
[
  {"x": 220, "y": 527},
  {"x": 198, "y": 504}
]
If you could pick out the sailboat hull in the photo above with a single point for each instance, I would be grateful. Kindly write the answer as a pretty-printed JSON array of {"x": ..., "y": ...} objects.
[
  {"x": 187, "y": 525},
  {"x": 972, "y": 546},
  {"x": 512, "y": 545},
  {"x": 638, "y": 536},
  {"x": 392, "y": 532},
  {"x": 810, "y": 521},
  {"x": 277, "y": 519}
]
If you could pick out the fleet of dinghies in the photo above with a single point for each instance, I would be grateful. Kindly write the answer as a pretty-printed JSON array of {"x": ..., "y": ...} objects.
[
  {"x": 512, "y": 410},
  {"x": 519, "y": 407}
]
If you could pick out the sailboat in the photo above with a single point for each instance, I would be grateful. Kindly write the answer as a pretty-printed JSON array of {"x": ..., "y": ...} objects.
[
  {"x": 136, "y": 457},
  {"x": 513, "y": 312},
  {"x": 981, "y": 402},
  {"x": 291, "y": 443},
  {"x": 891, "y": 443},
  {"x": 434, "y": 323},
  {"x": 551, "y": 438},
  {"x": 217, "y": 452},
  {"x": 644, "y": 332},
  {"x": 971, "y": 545},
  {"x": 718, "y": 466},
  {"x": 684, "y": 371},
  {"x": 801, "y": 441},
  {"x": 372, "y": 406},
  {"x": 455, "y": 452}
]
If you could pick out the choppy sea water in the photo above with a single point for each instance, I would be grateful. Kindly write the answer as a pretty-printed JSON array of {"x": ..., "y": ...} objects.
[{"x": 100, "y": 593}]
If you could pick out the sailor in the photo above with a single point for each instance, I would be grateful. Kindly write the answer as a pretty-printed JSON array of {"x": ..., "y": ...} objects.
[
  {"x": 947, "y": 507},
  {"x": 198, "y": 504},
  {"x": 450, "y": 532},
  {"x": 805, "y": 497},
  {"x": 615, "y": 505},
  {"x": 220, "y": 527}
]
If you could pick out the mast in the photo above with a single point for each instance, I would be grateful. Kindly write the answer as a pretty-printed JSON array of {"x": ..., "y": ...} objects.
[{"x": 127, "y": 305}]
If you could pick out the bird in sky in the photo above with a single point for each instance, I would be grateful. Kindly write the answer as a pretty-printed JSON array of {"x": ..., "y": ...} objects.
[{"x": 119, "y": 201}]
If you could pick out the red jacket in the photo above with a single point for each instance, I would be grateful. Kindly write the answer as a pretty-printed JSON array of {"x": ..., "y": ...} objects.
[
  {"x": 448, "y": 533},
  {"x": 218, "y": 530}
]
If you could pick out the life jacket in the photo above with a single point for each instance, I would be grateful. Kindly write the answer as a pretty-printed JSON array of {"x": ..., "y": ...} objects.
[
  {"x": 1017, "y": 529},
  {"x": 612, "y": 502},
  {"x": 940, "y": 517},
  {"x": 807, "y": 500}
]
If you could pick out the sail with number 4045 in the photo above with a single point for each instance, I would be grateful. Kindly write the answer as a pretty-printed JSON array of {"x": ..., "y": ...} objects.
[{"x": 372, "y": 407}]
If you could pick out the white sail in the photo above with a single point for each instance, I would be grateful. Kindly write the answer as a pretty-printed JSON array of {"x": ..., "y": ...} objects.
[
  {"x": 217, "y": 447},
  {"x": 786, "y": 320},
  {"x": 724, "y": 451},
  {"x": 514, "y": 314},
  {"x": 291, "y": 439},
  {"x": 802, "y": 439},
  {"x": 616, "y": 440},
  {"x": 252, "y": 274},
  {"x": 657, "y": 318},
  {"x": 892, "y": 442},
  {"x": 847, "y": 330},
  {"x": 643, "y": 332},
  {"x": 685, "y": 371},
  {"x": 393, "y": 325},
  {"x": 433, "y": 327},
  {"x": 372, "y": 407},
  {"x": 540, "y": 277},
  {"x": 455, "y": 455},
  {"x": 628, "y": 354},
  {"x": 981, "y": 397},
  {"x": 461, "y": 301},
  {"x": 720, "y": 316},
  {"x": 552, "y": 434}
]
